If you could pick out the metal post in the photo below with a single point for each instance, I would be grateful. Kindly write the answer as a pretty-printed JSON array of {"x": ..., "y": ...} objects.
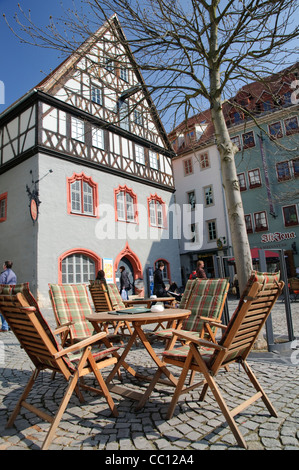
[
  {"x": 219, "y": 271},
  {"x": 269, "y": 326},
  {"x": 287, "y": 303}
]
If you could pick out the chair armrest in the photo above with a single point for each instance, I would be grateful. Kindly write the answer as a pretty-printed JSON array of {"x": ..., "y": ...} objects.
[
  {"x": 217, "y": 324},
  {"x": 82, "y": 344},
  {"x": 62, "y": 328},
  {"x": 201, "y": 342}
]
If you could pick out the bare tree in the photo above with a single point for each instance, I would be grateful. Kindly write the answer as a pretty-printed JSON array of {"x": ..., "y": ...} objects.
[{"x": 193, "y": 54}]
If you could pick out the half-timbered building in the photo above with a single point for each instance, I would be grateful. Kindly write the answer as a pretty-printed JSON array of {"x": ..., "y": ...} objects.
[{"x": 86, "y": 180}]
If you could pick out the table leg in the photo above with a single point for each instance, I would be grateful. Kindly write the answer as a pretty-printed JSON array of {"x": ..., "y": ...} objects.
[
  {"x": 121, "y": 360},
  {"x": 160, "y": 364}
]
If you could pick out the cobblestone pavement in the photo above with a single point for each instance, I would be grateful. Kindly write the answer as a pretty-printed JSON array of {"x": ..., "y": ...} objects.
[{"x": 194, "y": 426}]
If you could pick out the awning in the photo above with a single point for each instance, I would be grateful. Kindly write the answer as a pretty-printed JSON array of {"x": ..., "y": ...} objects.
[{"x": 255, "y": 254}]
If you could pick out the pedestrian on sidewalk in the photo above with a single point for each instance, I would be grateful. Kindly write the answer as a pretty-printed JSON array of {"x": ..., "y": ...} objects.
[{"x": 7, "y": 277}]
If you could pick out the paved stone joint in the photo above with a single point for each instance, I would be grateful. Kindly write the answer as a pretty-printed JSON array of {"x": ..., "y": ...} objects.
[{"x": 194, "y": 426}]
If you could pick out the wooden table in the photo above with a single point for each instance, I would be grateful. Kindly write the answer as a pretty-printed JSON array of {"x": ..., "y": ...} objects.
[
  {"x": 138, "y": 321},
  {"x": 148, "y": 302}
]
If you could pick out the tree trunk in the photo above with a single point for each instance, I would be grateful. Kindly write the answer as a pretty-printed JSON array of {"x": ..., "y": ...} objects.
[{"x": 233, "y": 198}]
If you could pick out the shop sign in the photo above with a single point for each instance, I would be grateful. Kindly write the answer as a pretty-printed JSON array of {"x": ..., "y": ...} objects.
[{"x": 277, "y": 237}]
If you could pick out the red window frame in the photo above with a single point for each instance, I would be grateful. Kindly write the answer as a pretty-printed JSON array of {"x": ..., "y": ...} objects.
[
  {"x": 3, "y": 197},
  {"x": 83, "y": 179}
]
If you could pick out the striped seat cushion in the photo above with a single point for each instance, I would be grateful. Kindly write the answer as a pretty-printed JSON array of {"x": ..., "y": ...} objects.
[
  {"x": 180, "y": 353},
  {"x": 71, "y": 303},
  {"x": 115, "y": 297}
]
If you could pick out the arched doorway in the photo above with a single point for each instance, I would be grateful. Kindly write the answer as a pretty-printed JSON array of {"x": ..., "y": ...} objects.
[
  {"x": 131, "y": 262},
  {"x": 129, "y": 268}
]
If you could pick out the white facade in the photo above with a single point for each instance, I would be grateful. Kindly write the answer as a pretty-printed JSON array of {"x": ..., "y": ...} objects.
[
  {"x": 197, "y": 178},
  {"x": 101, "y": 177}
]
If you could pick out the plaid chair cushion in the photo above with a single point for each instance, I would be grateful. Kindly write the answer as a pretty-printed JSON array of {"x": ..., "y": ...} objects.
[
  {"x": 206, "y": 300},
  {"x": 25, "y": 290},
  {"x": 115, "y": 297},
  {"x": 188, "y": 289},
  {"x": 71, "y": 303},
  {"x": 267, "y": 278}
]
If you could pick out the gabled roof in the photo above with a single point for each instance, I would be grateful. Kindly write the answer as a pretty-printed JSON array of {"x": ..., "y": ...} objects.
[
  {"x": 67, "y": 65},
  {"x": 61, "y": 72}
]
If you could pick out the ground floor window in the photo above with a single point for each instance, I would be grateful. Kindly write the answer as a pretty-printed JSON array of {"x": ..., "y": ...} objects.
[{"x": 77, "y": 269}]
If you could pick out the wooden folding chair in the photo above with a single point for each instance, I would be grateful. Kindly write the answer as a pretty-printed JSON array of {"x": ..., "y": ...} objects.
[
  {"x": 206, "y": 299},
  {"x": 244, "y": 327},
  {"x": 73, "y": 362},
  {"x": 71, "y": 304},
  {"x": 106, "y": 298}
]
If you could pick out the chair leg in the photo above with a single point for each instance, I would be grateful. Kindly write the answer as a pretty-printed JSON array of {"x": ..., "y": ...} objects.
[
  {"x": 179, "y": 386},
  {"x": 102, "y": 384},
  {"x": 69, "y": 391},
  {"x": 258, "y": 387},
  {"x": 23, "y": 398},
  {"x": 210, "y": 382}
]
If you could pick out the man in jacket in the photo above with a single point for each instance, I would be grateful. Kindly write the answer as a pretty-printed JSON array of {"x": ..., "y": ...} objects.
[{"x": 7, "y": 277}]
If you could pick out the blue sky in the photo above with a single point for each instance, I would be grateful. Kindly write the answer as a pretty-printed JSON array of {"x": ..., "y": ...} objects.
[{"x": 23, "y": 66}]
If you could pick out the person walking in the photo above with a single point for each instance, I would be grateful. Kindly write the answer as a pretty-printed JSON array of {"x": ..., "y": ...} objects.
[
  {"x": 7, "y": 277},
  {"x": 200, "y": 272},
  {"x": 125, "y": 284},
  {"x": 159, "y": 286}
]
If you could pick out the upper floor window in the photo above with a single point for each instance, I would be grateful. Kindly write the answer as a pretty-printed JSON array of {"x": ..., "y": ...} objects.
[
  {"x": 126, "y": 204},
  {"x": 283, "y": 171},
  {"x": 236, "y": 141},
  {"x": 212, "y": 232},
  {"x": 260, "y": 221},
  {"x": 290, "y": 215},
  {"x": 138, "y": 119},
  {"x": 291, "y": 125},
  {"x": 153, "y": 159},
  {"x": 188, "y": 167},
  {"x": 157, "y": 215},
  {"x": 191, "y": 199},
  {"x": 97, "y": 137},
  {"x": 139, "y": 153},
  {"x": 254, "y": 177},
  {"x": 208, "y": 193},
  {"x": 123, "y": 73},
  {"x": 77, "y": 129},
  {"x": 248, "y": 140},
  {"x": 296, "y": 167},
  {"x": 204, "y": 161},
  {"x": 3, "y": 207},
  {"x": 275, "y": 130},
  {"x": 124, "y": 121},
  {"x": 82, "y": 195},
  {"x": 96, "y": 95},
  {"x": 242, "y": 181},
  {"x": 109, "y": 64}
]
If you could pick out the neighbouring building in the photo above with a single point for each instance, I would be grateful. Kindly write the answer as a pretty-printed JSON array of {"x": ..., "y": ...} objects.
[
  {"x": 86, "y": 180},
  {"x": 263, "y": 122},
  {"x": 199, "y": 193},
  {"x": 268, "y": 162}
]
